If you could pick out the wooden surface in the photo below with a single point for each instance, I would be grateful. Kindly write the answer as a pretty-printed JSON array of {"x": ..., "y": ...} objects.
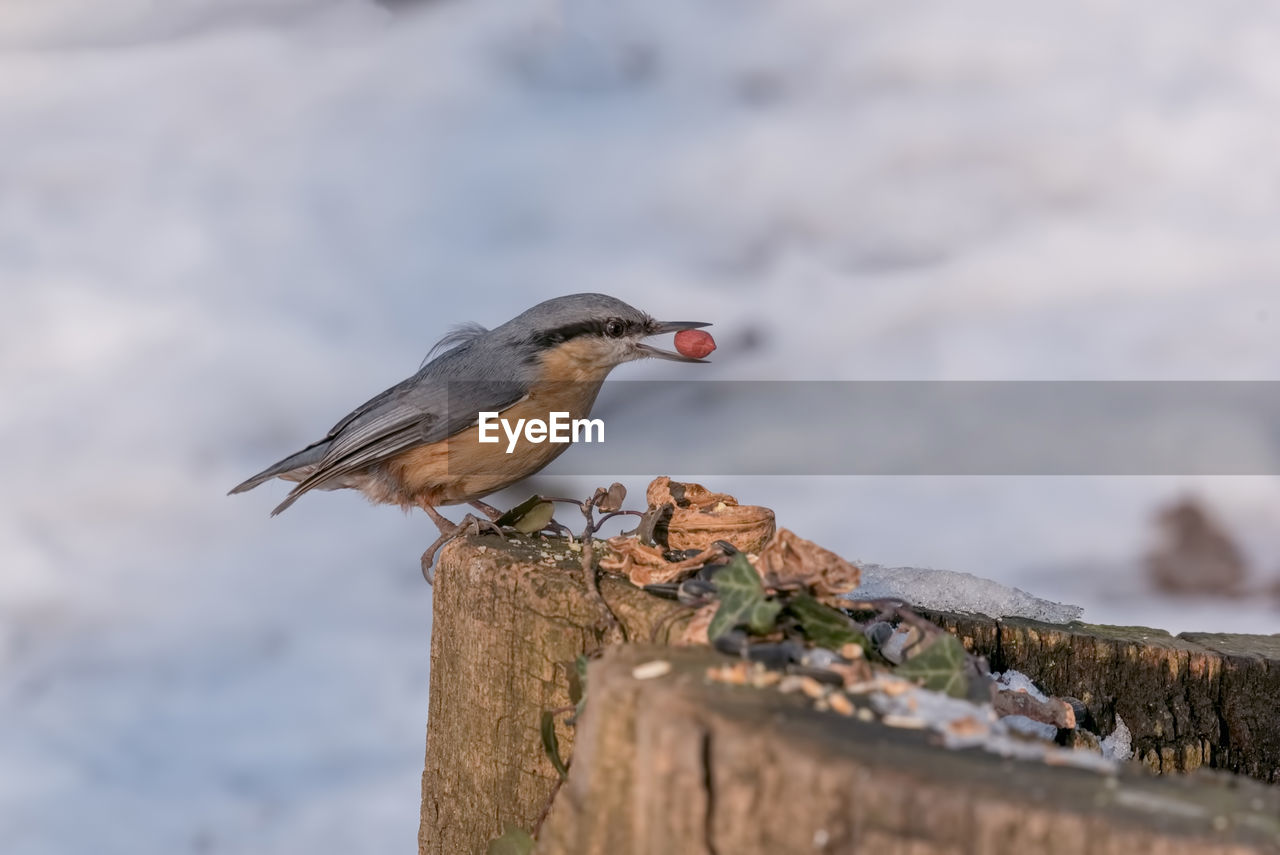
[
  {"x": 506, "y": 630},
  {"x": 679, "y": 765},
  {"x": 509, "y": 622},
  {"x": 1193, "y": 700}
]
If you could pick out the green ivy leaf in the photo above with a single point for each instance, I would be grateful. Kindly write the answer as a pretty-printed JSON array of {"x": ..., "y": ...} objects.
[
  {"x": 529, "y": 516},
  {"x": 514, "y": 841},
  {"x": 510, "y": 517},
  {"x": 824, "y": 626},
  {"x": 742, "y": 600},
  {"x": 939, "y": 666},
  {"x": 551, "y": 744},
  {"x": 536, "y": 519}
]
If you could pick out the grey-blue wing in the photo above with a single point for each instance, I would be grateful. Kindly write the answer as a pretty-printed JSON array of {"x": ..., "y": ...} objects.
[{"x": 416, "y": 412}]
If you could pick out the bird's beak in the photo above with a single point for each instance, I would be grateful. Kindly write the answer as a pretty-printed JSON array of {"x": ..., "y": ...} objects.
[{"x": 663, "y": 327}]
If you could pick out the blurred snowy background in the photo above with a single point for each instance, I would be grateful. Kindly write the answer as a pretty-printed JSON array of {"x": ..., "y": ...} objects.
[{"x": 223, "y": 224}]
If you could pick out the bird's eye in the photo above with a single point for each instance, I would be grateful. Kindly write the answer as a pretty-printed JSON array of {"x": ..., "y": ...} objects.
[{"x": 614, "y": 328}]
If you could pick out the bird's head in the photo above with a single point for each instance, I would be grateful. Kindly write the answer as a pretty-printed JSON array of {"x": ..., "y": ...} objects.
[{"x": 594, "y": 331}]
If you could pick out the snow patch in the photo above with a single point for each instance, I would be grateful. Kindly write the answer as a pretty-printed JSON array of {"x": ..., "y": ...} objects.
[
  {"x": 1016, "y": 681},
  {"x": 953, "y": 591},
  {"x": 1119, "y": 745}
]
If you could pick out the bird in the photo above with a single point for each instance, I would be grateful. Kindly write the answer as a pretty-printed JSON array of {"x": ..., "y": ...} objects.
[{"x": 417, "y": 444}]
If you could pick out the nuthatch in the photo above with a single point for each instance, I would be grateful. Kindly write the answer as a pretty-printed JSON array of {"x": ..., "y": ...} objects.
[{"x": 417, "y": 443}]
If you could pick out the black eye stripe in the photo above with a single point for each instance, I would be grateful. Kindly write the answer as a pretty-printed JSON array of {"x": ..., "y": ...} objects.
[{"x": 559, "y": 335}]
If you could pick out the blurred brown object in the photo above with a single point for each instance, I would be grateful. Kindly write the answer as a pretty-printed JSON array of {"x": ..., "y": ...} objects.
[
  {"x": 1274, "y": 590},
  {"x": 1195, "y": 555}
]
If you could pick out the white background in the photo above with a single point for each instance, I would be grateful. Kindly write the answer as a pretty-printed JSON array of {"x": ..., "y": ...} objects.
[{"x": 225, "y": 224}]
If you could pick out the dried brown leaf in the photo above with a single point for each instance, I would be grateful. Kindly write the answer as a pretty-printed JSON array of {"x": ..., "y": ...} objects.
[
  {"x": 1052, "y": 711},
  {"x": 645, "y": 565},
  {"x": 625, "y": 554},
  {"x": 790, "y": 561},
  {"x": 613, "y": 498}
]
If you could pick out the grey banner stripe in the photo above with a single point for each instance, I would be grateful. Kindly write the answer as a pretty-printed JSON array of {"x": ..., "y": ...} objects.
[{"x": 933, "y": 428}]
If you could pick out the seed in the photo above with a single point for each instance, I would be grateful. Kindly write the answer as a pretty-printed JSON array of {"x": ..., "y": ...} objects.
[
  {"x": 694, "y": 343},
  {"x": 851, "y": 651},
  {"x": 812, "y": 687},
  {"x": 650, "y": 670}
]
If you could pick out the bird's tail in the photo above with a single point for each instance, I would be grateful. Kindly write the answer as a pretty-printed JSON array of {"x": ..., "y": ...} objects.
[{"x": 306, "y": 457}]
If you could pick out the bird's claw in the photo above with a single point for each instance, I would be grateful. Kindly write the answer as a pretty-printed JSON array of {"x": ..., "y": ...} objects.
[
  {"x": 474, "y": 526},
  {"x": 470, "y": 525},
  {"x": 428, "y": 558},
  {"x": 558, "y": 528}
]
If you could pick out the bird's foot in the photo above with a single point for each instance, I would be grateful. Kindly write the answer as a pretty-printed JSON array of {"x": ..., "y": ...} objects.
[{"x": 470, "y": 525}]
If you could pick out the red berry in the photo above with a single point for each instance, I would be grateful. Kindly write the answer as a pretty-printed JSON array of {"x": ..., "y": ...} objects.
[{"x": 694, "y": 343}]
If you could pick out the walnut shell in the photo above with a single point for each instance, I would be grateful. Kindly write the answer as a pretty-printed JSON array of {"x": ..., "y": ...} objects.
[{"x": 701, "y": 517}]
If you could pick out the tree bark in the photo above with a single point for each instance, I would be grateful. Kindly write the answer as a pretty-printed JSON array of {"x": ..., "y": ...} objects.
[
  {"x": 510, "y": 618},
  {"x": 1193, "y": 700},
  {"x": 508, "y": 624},
  {"x": 678, "y": 765}
]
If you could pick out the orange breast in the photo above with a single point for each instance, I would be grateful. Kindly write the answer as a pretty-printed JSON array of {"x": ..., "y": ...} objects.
[{"x": 462, "y": 469}]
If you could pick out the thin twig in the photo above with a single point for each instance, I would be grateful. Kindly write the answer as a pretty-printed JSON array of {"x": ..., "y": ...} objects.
[
  {"x": 590, "y": 574},
  {"x": 591, "y": 577},
  {"x": 887, "y": 608},
  {"x": 906, "y": 615},
  {"x": 577, "y": 502},
  {"x": 546, "y": 808},
  {"x": 604, "y": 519}
]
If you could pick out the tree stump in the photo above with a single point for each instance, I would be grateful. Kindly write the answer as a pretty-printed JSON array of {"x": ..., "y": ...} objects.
[
  {"x": 510, "y": 618},
  {"x": 679, "y": 765},
  {"x": 509, "y": 621}
]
